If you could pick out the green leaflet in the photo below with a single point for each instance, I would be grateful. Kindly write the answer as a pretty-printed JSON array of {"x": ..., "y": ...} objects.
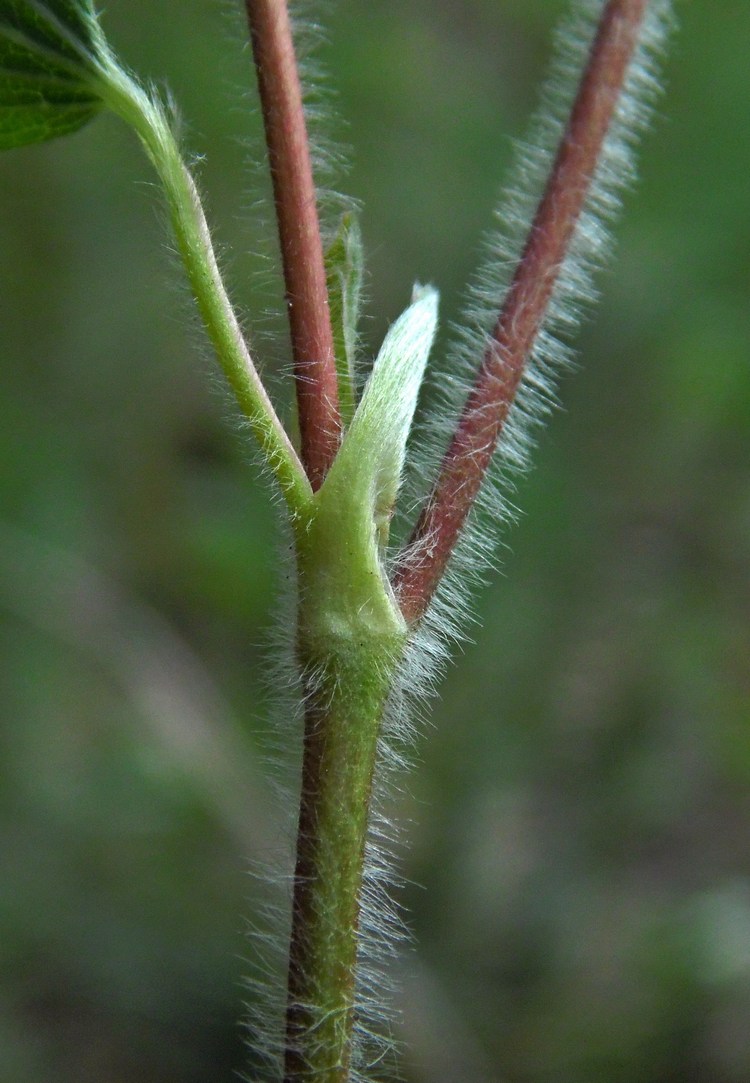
[
  {"x": 48, "y": 69},
  {"x": 344, "y": 267}
]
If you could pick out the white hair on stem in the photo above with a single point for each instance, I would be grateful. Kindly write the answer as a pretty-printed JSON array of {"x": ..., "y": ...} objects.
[{"x": 573, "y": 293}]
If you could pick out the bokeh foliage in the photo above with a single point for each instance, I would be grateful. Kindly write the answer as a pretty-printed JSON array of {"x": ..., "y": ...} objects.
[{"x": 580, "y": 817}]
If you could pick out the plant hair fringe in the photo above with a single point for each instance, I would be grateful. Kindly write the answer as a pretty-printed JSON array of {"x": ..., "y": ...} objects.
[{"x": 574, "y": 293}]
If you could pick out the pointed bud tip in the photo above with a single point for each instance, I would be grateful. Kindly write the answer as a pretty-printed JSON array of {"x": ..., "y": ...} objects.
[{"x": 426, "y": 293}]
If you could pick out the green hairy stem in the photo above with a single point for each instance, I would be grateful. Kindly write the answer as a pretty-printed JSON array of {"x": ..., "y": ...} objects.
[
  {"x": 348, "y": 685},
  {"x": 350, "y": 638},
  {"x": 147, "y": 118}
]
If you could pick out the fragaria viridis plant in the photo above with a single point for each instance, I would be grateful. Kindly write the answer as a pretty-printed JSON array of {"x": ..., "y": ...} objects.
[{"x": 373, "y": 622}]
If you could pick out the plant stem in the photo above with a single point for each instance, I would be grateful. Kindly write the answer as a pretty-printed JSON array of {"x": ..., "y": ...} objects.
[
  {"x": 130, "y": 101},
  {"x": 299, "y": 235},
  {"x": 468, "y": 456},
  {"x": 342, "y": 722},
  {"x": 350, "y": 637}
]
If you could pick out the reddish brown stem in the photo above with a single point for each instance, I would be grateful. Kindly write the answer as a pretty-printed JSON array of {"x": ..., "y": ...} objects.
[
  {"x": 466, "y": 461},
  {"x": 299, "y": 234}
]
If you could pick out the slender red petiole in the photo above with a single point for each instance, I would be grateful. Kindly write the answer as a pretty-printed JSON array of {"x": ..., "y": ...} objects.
[
  {"x": 484, "y": 414},
  {"x": 299, "y": 235}
]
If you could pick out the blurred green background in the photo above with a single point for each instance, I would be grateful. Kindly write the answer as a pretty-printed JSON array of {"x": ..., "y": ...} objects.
[{"x": 578, "y": 859}]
